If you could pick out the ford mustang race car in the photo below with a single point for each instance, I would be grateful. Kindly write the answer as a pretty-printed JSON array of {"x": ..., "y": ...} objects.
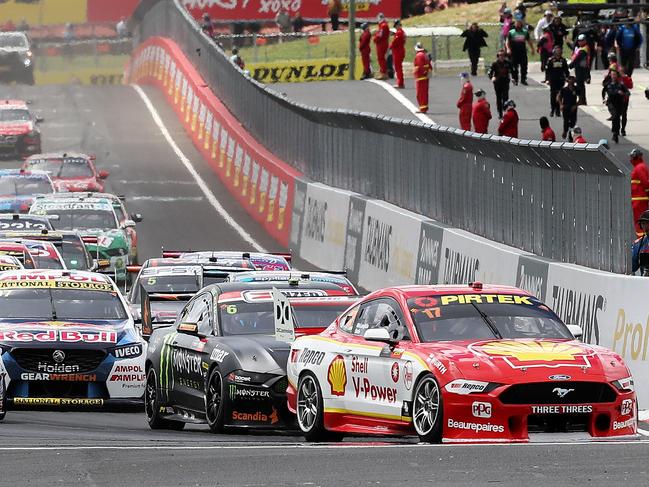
[
  {"x": 9, "y": 263},
  {"x": 95, "y": 220},
  {"x": 220, "y": 362},
  {"x": 19, "y": 188},
  {"x": 33, "y": 254},
  {"x": 285, "y": 276},
  {"x": 19, "y": 132},
  {"x": 254, "y": 261},
  {"x": 69, "y": 171},
  {"x": 69, "y": 245},
  {"x": 16, "y": 221},
  {"x": 67, "y": 339},
  {"x": 457, "y": 364}
]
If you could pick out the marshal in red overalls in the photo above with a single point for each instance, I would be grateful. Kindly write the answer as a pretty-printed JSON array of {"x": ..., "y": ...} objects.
[
  {"x": 382, "y": 41},
  {"x": 398, "y": 47},
  {"x": 422, "y": 68}
]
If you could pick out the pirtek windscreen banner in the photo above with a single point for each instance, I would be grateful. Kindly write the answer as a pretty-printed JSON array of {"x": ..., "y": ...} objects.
[
  {"x": 247, "y": 10},
  {"x": 299, "y": 71}
]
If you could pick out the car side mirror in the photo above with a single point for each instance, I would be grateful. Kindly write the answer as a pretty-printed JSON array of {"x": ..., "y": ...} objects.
[
  {"x": 576, "y": 331},
  {"x": 136, "y": 217},
  {"x": 103, "y": 174},
  {"x": 128, "y": 224},
  {"x": 378, "y": 335},
  {"x": 40, "y": 119}
]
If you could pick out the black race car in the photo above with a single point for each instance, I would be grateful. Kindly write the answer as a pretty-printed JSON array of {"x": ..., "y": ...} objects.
[
  {"x": 3, "y": 409},
  {"x": 220, "y": 363},
  {"x": 16, "y": 58}
]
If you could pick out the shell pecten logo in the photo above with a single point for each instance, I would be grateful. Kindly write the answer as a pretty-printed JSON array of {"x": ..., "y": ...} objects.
[
  {"x": 535, "y": 353},
  {"x": 337, "y": 376}
]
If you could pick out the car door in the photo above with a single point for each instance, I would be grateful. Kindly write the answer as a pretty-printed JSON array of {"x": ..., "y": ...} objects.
[
  {"x": 187, "y": 353},
  {"x": 376, "y": 367}
]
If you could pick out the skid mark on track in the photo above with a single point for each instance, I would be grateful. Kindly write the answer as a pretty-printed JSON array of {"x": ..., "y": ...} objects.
[{"x": 197, "y": 177}]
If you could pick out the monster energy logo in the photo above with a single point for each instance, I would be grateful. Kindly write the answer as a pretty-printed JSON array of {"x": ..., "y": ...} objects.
[
  {"x": 233, "y": 391},
  {"x": 165, "y": 362}
]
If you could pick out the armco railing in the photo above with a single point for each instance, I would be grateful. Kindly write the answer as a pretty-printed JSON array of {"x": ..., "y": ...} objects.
[{"x": 558, "y": 201}]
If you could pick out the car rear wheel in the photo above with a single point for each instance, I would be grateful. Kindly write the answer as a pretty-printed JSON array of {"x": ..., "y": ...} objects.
[
  {"x": 310, "y": 411},
  {"x": 214, "y": 401},
  {"x": 152, "y": 406},
  {"x": 427, "y": 410},
  {"x": 3, "y": 399}
]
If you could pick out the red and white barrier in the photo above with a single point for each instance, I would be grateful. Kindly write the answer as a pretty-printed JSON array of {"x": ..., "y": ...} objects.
[{"x": 262, "y": 183}]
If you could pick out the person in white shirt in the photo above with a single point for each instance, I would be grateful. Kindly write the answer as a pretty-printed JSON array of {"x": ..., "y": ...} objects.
[{"x": 542, "y": 24}]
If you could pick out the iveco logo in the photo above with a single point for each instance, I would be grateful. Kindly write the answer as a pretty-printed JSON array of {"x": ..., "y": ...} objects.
[
  {"x": 559, "y": 377},
  {"x": 58, "y": 356},
  {"x": 562, "y": 392}
]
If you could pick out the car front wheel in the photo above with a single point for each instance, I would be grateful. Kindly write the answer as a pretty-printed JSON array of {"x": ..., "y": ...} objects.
[
  {"x": 152, "y": 406},
  {"x": 427, "y": 410},
  {"x": 214, "y": 401},
  {"x": 310, "y": 411}
]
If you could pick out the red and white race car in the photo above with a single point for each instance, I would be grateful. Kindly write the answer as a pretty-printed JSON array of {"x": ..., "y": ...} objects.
[
  {"x": 32, "y": 254},
  {"x": 69, "y": 171},
  {"x": 19, "y": 133},
  {"x": 457, "y": 364}
]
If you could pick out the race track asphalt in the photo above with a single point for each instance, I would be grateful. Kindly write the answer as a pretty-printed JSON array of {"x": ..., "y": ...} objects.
[{"x": 118, "y": 449}]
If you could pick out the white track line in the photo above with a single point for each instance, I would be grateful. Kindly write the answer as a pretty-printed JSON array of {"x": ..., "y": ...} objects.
[
  {"x": 401, "y": 98},
  {"x": 199, "y": 180}
]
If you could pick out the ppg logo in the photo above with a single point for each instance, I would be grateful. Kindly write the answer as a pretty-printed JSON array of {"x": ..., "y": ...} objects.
[{"x": 481, "y": 409}]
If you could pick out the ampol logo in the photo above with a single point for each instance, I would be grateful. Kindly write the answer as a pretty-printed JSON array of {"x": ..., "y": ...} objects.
[{"x": 337, "y": 376}]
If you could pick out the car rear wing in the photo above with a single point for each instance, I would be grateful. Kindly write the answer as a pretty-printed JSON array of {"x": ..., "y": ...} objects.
[{"x": 173, "y": 254}]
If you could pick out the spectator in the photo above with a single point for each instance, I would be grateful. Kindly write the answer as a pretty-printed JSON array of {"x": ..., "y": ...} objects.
[
  {"x": 543, "y": 22},
  {"x": 298, "y": 23},
  {"x": 365, "y": 49},
  {"x": 23, "y": 26},
  {"x": 68, "y": 33},
  {"x": 639, "y": 187},
  {"x": 604, "y": 143},
  {"x": 580, "y": 62},
  {"x": 382, "y": 40},
  {"x": 122, "y": 28},
  {"x": 615, "y": 93},
  {"x": 556, "y": 73},
  {"x": 589, "y": 32},
  {"x": 398, "y": 48},
  {"x": 283, "y": 21},
  {"x": 558, "y": 31},
  {"x": 481, "y": 113},
  {"x": 641, "y": 245},
  {"x": 9, "y": 26},
  {"x": 607, "y": 44},
  {"x": 568, "y": 102},
  {"x": 579, "y": 138},
  {"x": 335, "y": 7},
  {"x": 236, "y": 59},
  {"x": 628, "y": 82},
  {"x": 509, "y": 124},
  {"x": 628, "y": 41},
  {"x": 207, "y": 25},
  {"x": 520, "y": 12},
  {"x": 545, "y": 46},
  {"x": 422, "y": 70},
  {"x": 501, "y": 12},
  {"x": 517, "y": 42},
  {"x": 508, "y": 22},
  {"x": 547, "y": 133},
  {"x": 465, "y": 102},
  {"x": 474, "y": 40},
  {"x": 500, "y": 72}
]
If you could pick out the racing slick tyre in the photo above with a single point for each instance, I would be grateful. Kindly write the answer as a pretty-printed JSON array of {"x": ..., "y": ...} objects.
[
  {"x": 3, "y": 402},
  {"x": 427, "y": 410},
  {"x": 152, "y": 406},
  {"x": 29, "y": 78},
  {"x": 214, "y": 401},
  {"x": 310, "y": 411}
]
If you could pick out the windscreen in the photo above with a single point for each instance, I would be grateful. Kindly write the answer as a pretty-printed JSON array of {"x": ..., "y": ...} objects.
[
  {"x": 257, "y": 318},
  {"x": 83, "y": 219},
  {"x": 484, "y": 316},
  {"x": 74, "y": 255},
  {"x": 14, "y": 115},
  {"x": 63, "y": 168},
  {"x": 24, "y": 186},
  {"x": 61, "y": 304},
  {"x": 187, "y": 284},
  {"x": 12, "y": 41}
]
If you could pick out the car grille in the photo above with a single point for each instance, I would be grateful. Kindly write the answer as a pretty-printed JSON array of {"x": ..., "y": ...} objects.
[
  {"x": 549, "y": 393},
  {"x": 554, "y": 423},
  {"x": 30, "y": 358}
]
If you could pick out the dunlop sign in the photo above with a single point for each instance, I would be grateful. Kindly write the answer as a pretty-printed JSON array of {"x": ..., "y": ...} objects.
[{"x": 299, "y": 71}]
